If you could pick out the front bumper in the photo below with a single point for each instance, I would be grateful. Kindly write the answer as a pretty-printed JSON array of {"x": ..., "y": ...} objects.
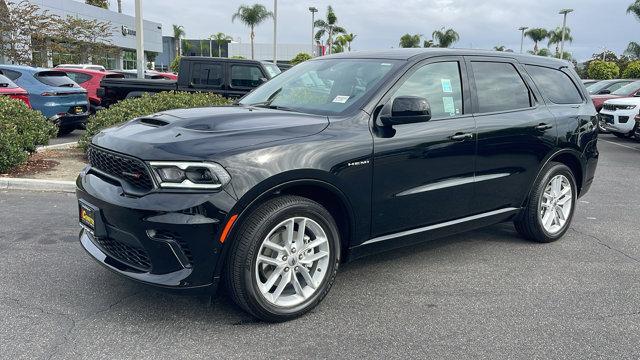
[
  {"x": 620, "y": 121},
  {"x": 168, "y": 240},
  {"x": 70, "y": 120}
]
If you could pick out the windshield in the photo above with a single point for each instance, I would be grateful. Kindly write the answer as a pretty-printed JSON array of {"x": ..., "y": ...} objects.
[
  {"x": 596, "y": 87},
  {"x": 272, "y": 70},
  {"x": 325, "y": 87},
  {"x": 627, "y": 89},
  {"x": 56, "y": 79}
]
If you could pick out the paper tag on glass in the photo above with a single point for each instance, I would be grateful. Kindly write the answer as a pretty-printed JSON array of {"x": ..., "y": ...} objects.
[{"x": 341, "y": 99}]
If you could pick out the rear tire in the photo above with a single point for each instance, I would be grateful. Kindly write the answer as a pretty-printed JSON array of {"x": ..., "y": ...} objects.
[
  {"x": 550, "y": 208},
  {"x": 266, "y": 275}
]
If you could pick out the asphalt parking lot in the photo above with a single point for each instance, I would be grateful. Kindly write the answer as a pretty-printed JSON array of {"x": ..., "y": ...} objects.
[
  {"x": 484, "y": 294},
  {"x": 74, "y": 136}
]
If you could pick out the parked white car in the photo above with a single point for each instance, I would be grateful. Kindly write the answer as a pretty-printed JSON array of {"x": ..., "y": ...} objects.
[
  {"x": 81, "y": 66},
  {"x": 618, "y": 116}
]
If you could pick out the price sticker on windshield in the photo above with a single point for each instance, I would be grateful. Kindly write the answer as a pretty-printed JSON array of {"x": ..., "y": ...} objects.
[{"x": 341, "y": 99}]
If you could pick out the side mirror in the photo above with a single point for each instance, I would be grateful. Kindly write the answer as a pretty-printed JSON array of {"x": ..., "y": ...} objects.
[
  {"x": 605, "y": 92},
  {"x": 406, "y": 110},
  {"x": 262, "y": 81}
]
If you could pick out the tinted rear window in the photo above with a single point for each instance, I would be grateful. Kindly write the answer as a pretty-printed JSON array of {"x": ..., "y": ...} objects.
[
  {"x": 55, "y": 78},
  {"x": 499, "y": 87},
  {"x": 12, "y": 75},
  {"x": 78, "y": 77},
  {"x": 555, "y": 85}
]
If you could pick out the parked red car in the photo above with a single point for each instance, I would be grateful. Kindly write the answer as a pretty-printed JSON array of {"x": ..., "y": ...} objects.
[
  {"x": 10, "y": 89},
  {"x": 90, "y": 80},
  {"x": 629, "y": 90}
]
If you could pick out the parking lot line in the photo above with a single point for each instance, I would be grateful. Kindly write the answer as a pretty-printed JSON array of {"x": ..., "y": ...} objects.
[{"x": 626, "y": 146}]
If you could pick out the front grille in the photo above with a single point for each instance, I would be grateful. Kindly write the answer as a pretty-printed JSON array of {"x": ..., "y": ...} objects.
[
  {"x": 132, "y": 256},
  {"x": 129, "y": 169},
  {"x": 623, "y": 119},
  {"x": 609, "y": 107}
]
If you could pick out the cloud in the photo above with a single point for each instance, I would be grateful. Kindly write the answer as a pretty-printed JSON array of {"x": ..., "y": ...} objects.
[{"x": 380, "y": 23}]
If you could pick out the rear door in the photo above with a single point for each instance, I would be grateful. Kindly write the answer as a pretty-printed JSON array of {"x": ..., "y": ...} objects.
[
  {"x": 516, "y": 132},
  {"x": 424, "y": 172},
  {"x": 244, "y": 77},
  {"x": 207, "y": 76}
]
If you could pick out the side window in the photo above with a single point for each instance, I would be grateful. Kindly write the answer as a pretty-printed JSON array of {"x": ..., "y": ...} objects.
[
  {"x": 499, "y": 87},
  {"x": 440, "y": 84},
  {"x": 80, "y": 78},
  {"x": 245, "y": 76},
  {"x": 616, "y": 86},
  {"x": 555, "y": 85},
  {"x": 12, "y": 75},
  {"x": 207, "y": 74}
]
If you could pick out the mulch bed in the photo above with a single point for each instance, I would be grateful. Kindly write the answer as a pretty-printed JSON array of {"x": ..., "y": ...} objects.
[{"x": 43, "y": 161}]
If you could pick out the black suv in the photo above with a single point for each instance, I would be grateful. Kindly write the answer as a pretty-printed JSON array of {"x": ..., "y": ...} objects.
[{"x": 339, "y": 157}]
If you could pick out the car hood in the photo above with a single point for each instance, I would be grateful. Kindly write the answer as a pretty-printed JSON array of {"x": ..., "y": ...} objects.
[
  {"x": 624, "y": 101},
  {"x": 202, "y": 133}
]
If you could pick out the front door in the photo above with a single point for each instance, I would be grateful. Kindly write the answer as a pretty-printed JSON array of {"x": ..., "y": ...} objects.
[{"x": 423, "y": 172}]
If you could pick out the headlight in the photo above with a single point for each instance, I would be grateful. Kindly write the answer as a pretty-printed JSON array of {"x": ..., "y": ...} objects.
[
  {"x": 627, "y": 107},
  {"x": 190, "y": 175}
]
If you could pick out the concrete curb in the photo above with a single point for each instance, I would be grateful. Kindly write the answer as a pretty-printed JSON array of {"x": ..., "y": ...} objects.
[
  {"x": 68, "y": 145},
  {"x": 37, "y": 185}
]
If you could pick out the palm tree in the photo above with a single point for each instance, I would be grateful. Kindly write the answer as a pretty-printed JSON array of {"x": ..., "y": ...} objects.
[
  {"x": 220, "y": 38},
  {"x": 339, "y": 44},
  {"x": 499, "y": 48},
  {"x": 537, "y": 35},
  {"x": 634, "y": 9},
  {"x": 328, "y": 27},
  {"x": 445, "y": 38},
  {"x": 349, "y": 39},
  {"x": 410, "y": 41},
  {"x": 633, "y": 50},
  {"x": 555, "y": 37},
  {"x": 178, "y": 32},
  {"x": 252, "y": 16},
  {"x": 428, "y": 44}
]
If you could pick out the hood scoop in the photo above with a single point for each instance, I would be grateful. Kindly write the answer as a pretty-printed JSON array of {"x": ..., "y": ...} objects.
[{"x": 155, "y": 122}]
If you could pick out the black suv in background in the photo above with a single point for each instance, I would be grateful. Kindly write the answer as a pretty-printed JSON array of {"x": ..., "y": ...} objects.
[
  {"x": 231, "y": 78},
  {"x": 338, "y": 157}
]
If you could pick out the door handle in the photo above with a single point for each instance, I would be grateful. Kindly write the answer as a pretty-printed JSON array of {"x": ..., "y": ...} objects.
[
  {"x": 543, "y": 127},
  {"x": 462, "y": 136}
]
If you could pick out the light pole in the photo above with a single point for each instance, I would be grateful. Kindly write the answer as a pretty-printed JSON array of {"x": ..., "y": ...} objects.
[
  {"x": 564, "y": 27},
  {"x": 275, "y": 30},
  {"x": 522, "y": 30},
  {"x": 139, "y": 40},
  {"x": 313, "y": 27}
]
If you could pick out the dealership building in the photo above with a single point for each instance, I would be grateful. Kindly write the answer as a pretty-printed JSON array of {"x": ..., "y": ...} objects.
[{"x": 122, "y": 39}]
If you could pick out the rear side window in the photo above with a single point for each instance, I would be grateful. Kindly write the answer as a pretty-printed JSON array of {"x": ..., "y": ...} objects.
[
  {"x": 78, "y": 78},
  {"x": 555, "y": 85},
  {"x": 5, "y": 83},
  {"x": 55, "y": 78},
  {"x": 207, "y": 74},
  {"x": 440, "y": 84},
  {"x": 245, "y": 76},
  {"x": 12, "y": 75},
  {"x": 499, "y": 87}
]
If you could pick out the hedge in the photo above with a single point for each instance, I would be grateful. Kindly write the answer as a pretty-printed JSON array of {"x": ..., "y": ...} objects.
[
  {"x": 300, "y": 57},
  {"x": 603, "y": 70},
  {"x": 632, "y": 71},
  {"x": 21, "y": 130},
  {"x": 146, "y": 105}
]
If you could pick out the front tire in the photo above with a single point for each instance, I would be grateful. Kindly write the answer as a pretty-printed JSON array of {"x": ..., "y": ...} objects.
[
  {"x": 549, "y": 211},
  {"x": 283, "y": 259}
]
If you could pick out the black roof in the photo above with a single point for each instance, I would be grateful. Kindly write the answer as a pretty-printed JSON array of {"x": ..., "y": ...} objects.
[
  {"x": 208, "y": 58},
  {"x": 422, "y": 53}
]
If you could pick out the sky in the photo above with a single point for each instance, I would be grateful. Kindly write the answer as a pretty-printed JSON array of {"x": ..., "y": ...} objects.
[{"x": 379, "y": 24}]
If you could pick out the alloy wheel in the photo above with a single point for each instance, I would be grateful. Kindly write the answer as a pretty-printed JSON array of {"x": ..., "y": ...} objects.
[
  {"x": 292, "y": 262},
  {"x": 555, "y": 207}
]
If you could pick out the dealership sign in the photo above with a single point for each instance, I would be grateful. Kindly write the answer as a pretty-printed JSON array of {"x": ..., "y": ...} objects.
[{"x": 128, "y": 32}]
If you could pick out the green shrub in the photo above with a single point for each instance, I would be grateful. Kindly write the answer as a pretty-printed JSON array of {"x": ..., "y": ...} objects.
[
  {"x": 175, "y": 64},
  {"x": 300, "y": 57},
  {"x": 603, "y": 70},
  {"x": 632, "y": 71},
  {"x": 146, "y": 105},
  {"x": 21, "y": 130}
]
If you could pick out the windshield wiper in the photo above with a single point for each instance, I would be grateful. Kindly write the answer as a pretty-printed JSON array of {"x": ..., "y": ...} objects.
[{"x": 267, "y": 105}]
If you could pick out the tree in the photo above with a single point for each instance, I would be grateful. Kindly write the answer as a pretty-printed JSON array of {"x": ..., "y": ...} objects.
[
  {"x": 339, "y": 44},
  {"x": 499, "y": 48},
  {"x": 175, "y": 64},
  {"x": 541, "y": 52},
  {"x": 537, "y": 35},
  {"x": 634, "y": 9},
  {"x": 349, "y": 39},
  {"x": 178, "y": 33},
  {"x": 632, "y": 71},
  {"x": 633, "y": 50},
  {"x": 99, "y": 3},
  {"x": 300, "y": 57},
  {"x": 555, "y": 37},
  {"x": 220, "y": 39},
  {"x": 252, "y": 16},
  {"x": 410, "y": 41},
  {"x": 328, "y": 27},
  {"x": 603, "y": 70},
  {"x": 445, "y": 38},
  {"x": 428, "y": 44}
]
